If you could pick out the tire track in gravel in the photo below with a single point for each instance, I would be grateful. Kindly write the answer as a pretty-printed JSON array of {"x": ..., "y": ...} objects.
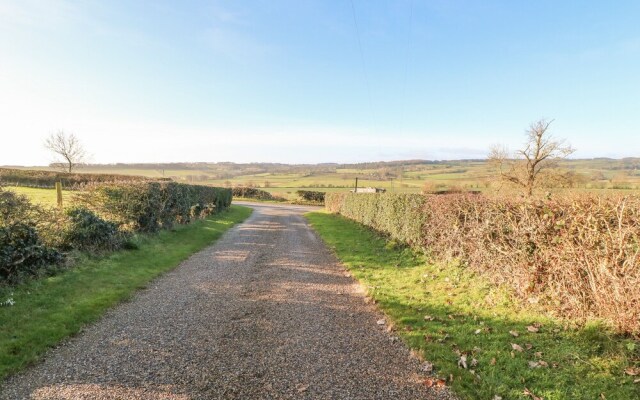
[{"x": 265, "y": 313}]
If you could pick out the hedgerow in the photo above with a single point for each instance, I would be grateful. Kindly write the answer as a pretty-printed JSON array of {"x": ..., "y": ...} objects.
[
  {"x": 22, "y": 251},
  {"x": 150, "y": 206},
  {"x": 252, "y": 193},
  {"x": 310, "y": 195},
  {"x": 33, "y": 238},
  {"x": 86, "y": 231},
  {"x": 577, "y": 255},
  {"x": 400, "y": 216},
  {"x": 73, "y": 181}
]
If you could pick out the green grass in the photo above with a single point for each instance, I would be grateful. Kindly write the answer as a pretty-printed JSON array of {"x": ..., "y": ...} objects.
[
  {"x": 583, "y": 362},
  {"x": 48, "y": 310},
  {"x": 45, "y": 197}
]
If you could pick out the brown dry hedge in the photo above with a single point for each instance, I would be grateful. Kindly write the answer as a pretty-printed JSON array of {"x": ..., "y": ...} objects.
[{"x": 578, "y": 255}]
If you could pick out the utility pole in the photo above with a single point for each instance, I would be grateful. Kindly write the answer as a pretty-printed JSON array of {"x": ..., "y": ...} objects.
[{"x": 356, "y": 190}]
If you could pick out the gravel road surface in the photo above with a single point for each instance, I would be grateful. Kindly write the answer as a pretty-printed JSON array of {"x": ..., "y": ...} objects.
[{"x": 265, "y": 313}]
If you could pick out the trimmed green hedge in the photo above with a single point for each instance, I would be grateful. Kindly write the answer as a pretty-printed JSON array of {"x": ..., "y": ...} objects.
[
  {"x": 102, "y": 216},
  {"x": 150, "y": 206},
  {"x": 399, "y": 215}
]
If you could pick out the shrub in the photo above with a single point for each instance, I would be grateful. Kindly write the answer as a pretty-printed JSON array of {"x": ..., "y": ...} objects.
[
  {"x": 150, "y": 206},
  {"x": 578, "y": 255},
  {"x": 309, "y": 195},
  {"x": 252, "y": 193},
  {"x": 397, "y": 215},
  {"x": 86, "y": 231},
  {"x": 22, "y": 252}
]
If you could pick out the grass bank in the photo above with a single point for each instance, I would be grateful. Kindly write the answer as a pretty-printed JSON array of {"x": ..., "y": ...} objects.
[
  {"x": 45, "y": 311},
  {"x": 482, "y": 343}
]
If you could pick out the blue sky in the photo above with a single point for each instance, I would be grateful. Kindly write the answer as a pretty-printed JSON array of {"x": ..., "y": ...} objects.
[{"x": 305, "y": 81}]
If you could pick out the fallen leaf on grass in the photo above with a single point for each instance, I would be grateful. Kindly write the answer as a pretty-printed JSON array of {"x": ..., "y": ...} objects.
[
  {"x": 533, "y": 329},
  {"x": 528, "y": 392},
  {"x": 516, "y": 347},
  {"x": 514, "y": 333},
  {"x": 474, "y": 362},
  {"x": 381, "y": 321},
  {"x": 462, "y": 362},
  {"x": 632, "y": 371},
  {"x": 478, "y": 331},
  {"x": 538, "y": 364},
  {"x": 636, "y": 381},
  {"x": 428, "y": 318},
  {"x": 438, "y": 383},
  {"x": 493, "y": 361},
  {"x": 496, "y": 397}
]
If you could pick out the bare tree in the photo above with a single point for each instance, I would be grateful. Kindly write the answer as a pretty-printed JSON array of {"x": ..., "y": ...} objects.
[
  {"x": 539, "y": 155},
  {"x": 67, "y": 148}
]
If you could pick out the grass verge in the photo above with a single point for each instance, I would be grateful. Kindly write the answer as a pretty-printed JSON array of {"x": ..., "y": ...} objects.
[
  {"x": 445, "y": 312},
  {"x": 47, "y": 310}
]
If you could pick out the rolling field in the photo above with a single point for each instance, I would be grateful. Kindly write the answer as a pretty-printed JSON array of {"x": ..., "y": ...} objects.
[{"x": 401, "y": 176}]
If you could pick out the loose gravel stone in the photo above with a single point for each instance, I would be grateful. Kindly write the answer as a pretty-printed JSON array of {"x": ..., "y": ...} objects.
[{"x": 265, "y": 313}]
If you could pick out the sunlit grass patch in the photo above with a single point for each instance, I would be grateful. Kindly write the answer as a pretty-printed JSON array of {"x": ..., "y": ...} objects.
[{"x": 44, "y": 197}]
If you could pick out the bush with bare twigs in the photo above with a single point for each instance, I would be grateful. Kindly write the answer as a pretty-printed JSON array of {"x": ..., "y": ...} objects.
[{"x": 578, "y": 255}]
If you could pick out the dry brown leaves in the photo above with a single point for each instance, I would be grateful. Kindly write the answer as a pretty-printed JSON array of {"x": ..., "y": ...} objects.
[
  {"x": 435, "y": 383},
  {"x": 529, "y": 393},
  {"x": 632, "y": 371}
]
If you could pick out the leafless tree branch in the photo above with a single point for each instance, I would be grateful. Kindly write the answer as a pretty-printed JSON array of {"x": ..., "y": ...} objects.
[
  {"x": 68, "y": 150},
  {"x": 541, "y": 152}
]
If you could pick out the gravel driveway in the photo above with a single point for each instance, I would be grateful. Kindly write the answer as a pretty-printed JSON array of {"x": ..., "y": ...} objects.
[{"x": 265, "y": 313}]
